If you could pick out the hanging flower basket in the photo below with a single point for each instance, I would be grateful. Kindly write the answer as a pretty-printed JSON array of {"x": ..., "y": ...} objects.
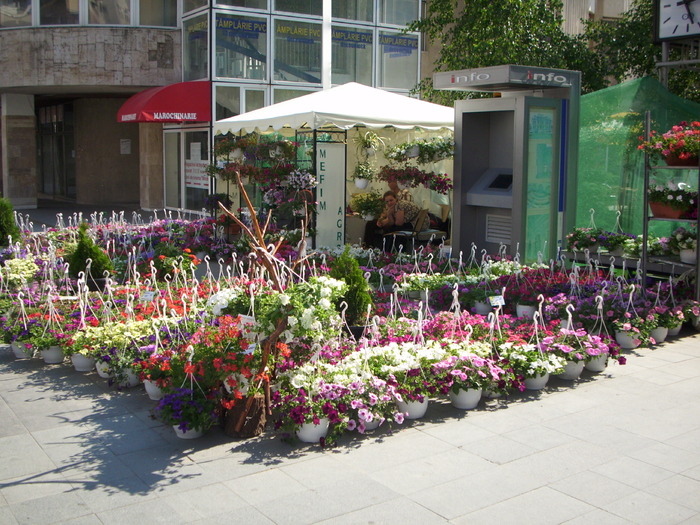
[{"x": 677, "y": 161}]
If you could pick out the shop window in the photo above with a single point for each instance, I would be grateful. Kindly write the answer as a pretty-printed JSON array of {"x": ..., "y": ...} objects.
[
  {"x": 158, "y": 13},
  {"x": 15, "y": 13},
  {"x": 297, "y": 51},
  {"x": 361, "y": 10},
  {"x": 195, "y": 46},
  {"x": 398, "y": 12},
  {"x": 398, "y": 60},
  {"x": 109, "y": 12},
  {"x": 241, "y": 47},
  {"x": 352, "y": 55},
  {"x": 197, "y": 180},
  {"x": 58, "y": 13},
  {"x": 304, "y": 7}
]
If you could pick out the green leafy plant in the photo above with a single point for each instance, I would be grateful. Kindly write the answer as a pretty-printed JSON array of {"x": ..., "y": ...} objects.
[
  {"x": 88, "y": 250},
  {"x": 363, "y": 170},
  {"x": 357, "y": 296},
  {"x": 367, "y": 204},
  {"x": 8, "y": 226}
]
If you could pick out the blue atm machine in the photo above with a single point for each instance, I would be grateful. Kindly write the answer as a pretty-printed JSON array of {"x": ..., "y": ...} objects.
[{"x": 516, "y": 157}]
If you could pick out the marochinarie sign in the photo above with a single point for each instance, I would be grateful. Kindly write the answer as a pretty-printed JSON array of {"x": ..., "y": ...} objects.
[{"x": 503, "y": 78}]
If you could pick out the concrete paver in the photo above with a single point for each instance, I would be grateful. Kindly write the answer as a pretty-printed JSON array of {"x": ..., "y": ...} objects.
[{"x": 622, "y": 446}]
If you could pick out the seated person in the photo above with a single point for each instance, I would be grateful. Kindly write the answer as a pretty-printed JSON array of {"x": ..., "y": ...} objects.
[{"x": 398, "y": 215}]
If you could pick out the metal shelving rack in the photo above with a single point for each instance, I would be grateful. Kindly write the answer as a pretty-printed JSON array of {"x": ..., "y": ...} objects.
[{"x": 666, "y": 264}]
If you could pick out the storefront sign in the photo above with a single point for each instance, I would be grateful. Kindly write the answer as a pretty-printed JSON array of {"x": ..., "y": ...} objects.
[{"x": 330, "y": 194}]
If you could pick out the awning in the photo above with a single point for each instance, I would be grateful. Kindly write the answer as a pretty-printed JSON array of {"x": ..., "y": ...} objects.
[
  {"x": 344, "y": 106},
  {"x": 181, "y": 102}
]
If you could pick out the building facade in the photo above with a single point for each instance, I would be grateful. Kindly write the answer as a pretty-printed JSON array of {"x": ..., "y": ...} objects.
[{"x": 68, "y": 66}]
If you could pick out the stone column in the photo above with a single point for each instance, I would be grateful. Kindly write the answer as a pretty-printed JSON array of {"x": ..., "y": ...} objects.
[{"x": 18, "y": 147}]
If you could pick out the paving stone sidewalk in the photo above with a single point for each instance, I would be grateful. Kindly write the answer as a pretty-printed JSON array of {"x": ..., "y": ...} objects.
[{"x": 622, "y": 446}]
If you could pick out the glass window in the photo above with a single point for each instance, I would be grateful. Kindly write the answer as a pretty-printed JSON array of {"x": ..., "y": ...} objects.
[
  {"x": 190, "y": 5},
  {"x": 158, "y": 13},
  {"x": 194, "y": 48},
  {"x": 252, "y": 4},
  {"x": 352, "y": 55},
  {"x": 398, "y": 60},
  {"x": 254, "y": 99},
  {"x": 197, "y": 179},
  {"x": 399, "y": 12},
  {"x": 172, "y": 170},
  {"x": 228, "y": 101},
  {"x": 305, "y": 7},
  {"x": 234, "y": 100},
  {"x": 280, "y": 95},
  {"x": 14, "y": 13},
  {"x": 353, "y": 10},
  {"x": 297, "y": 51},
  {"x": 53, "y": 13},
  {"x": 241, "y": 47},
  {"x": 112, "y": 12}
]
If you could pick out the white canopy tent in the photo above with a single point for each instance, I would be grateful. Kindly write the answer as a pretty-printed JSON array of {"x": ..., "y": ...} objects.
[{"x": 343, "y": 106}]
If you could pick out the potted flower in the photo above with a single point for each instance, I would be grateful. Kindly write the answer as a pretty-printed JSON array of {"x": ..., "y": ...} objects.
[
  {"x": 584, "y": 238},
  {"x": 684, "y": 242},
  {"x": 679, "y": 146},
  {"x": 425, "y": 151},
  {"x": 671, "y": 200},
  {"x": 368, "y": 143},
  {"x": 406, "y": 176},
  {"x": 188, "y": 410},
  {"x": 614, "y": 242},
  {"x": 362, "y": 174},
  {"x": 465, "y": 376},
  {"x": 368, "y": 205},
  {"x": 576, "y": 347},
  {"x": 531, "y": 363},
  {"x": 632, "y": 331}
]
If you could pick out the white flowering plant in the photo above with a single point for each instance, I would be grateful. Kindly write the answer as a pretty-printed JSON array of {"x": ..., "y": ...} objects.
[
  {"x": 308, "y": 309},
  {"x": 529, "y": 361},
  {"x": 20, "y": 271},
  {"x": 683, "y": 239},
  {"x": 676, "y": 195}
]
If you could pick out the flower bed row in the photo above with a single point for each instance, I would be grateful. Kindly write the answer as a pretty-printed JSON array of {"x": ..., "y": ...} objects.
[{"x": 241, "y": 343}]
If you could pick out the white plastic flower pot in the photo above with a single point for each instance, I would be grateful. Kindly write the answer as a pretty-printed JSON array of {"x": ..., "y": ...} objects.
[
  {"x": 465, "y": 399},
  {"x": 413, "y": 409},
  {"x": 537, "y": 382},
  {"x": 311, "y": 433}
]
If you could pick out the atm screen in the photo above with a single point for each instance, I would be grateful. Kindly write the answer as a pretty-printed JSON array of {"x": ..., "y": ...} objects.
[{"x": 502, "y": 181}]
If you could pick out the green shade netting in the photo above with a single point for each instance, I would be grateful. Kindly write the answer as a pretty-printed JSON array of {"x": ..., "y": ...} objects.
[{"x": 611, "y": 168}]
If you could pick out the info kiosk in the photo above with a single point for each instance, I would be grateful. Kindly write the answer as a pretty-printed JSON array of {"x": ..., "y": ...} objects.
[{"x": 515, "y": 159}]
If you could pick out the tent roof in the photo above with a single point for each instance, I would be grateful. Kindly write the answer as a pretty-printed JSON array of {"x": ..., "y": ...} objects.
[{"x": 343, "y": 106}]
